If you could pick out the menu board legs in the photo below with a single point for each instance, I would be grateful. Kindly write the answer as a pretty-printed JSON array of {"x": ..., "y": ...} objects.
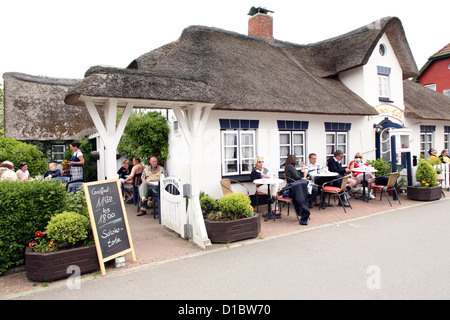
[{"x": 109, "y": 220}]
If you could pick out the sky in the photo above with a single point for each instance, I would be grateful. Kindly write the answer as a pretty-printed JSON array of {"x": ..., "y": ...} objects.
[{"x": 63, "y": 39}]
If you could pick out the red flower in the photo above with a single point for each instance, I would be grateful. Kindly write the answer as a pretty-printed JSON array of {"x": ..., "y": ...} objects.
[
  {"x": 32, "y": 244},
  {"x": 39, "y": 234}
]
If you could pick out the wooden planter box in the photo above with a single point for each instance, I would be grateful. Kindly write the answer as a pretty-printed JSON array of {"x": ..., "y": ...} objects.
[
  {"x": 424, "y": 194},
  {"x": 50, "y": 266},
  {"x": 229, "y": 231}
]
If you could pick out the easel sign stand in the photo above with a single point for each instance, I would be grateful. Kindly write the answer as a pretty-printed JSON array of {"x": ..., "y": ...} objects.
[{"x": 108, "y": 220}]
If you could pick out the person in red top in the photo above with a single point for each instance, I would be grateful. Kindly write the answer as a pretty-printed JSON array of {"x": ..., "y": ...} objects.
[
  {"x": 359, "y": 175},
  {"x": 359, "y": 163}
]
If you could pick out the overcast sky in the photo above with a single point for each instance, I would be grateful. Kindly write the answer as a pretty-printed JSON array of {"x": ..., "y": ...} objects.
[{"x": 63, "y": 38}]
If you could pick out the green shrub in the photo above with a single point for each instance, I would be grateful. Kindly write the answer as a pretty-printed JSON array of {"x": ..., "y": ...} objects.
[
  {"x": 17, "y": 152},
  {"x": 207, "y": 203},
  {"x": 383, "y": 167},
  {"x": 26, "y": 207},
  {"x": 425, "y": 174},
  {"x": 68, "y": 229},
  {"x": 235, "y": 206}
]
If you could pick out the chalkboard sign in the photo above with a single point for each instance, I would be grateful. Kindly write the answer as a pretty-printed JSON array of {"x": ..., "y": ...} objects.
[{"x": 109, "y": 220}]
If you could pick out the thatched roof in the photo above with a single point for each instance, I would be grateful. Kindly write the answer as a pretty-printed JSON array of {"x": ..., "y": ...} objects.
[
  {"x": 35, "y": 109},
  {"x": 239, "y": 72},
  {"x": 425, "y": 104}
]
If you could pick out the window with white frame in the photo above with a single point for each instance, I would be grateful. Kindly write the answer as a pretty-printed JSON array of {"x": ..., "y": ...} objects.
[
  {"x": 383, "y": 83},
  {"x": 446, "y": 137},
  {"x": 426, "y": 139},
  {"x": 337, "y": 139},
  {"x": 238, "y": 140},
  {"x": 58, "y": 151},
  {"x": 292, "y": 141},
  {"x": 446, "y": 92}
]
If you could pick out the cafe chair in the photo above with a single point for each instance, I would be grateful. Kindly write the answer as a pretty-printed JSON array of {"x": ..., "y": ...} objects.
[
  {"x": 282, "y": 200},
  {"x": 226, "y": 186},
  {"x": 137, "y": 180},
  {"x": 257, "y": 194},
  {"x": 63, "y": 179},
  {"x": 73, "y": 186},
  {"x": 391, "y": 185},
  {"x": 341, "y": 192}
]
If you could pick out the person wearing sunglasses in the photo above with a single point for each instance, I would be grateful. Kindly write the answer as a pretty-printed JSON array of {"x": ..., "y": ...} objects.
[
  {"x": 359, "y": 175},
  {"x": 259, "y": 172}
]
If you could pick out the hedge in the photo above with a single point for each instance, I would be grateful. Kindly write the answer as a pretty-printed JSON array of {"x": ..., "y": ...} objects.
[{"x": 26, "y": 207}]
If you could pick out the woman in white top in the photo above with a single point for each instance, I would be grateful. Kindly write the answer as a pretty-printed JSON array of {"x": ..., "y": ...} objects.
[{"x": 22, "y": 173}]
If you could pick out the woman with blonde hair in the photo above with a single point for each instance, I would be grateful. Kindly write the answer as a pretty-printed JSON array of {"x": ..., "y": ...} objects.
[{"x": 259, "y": 172}]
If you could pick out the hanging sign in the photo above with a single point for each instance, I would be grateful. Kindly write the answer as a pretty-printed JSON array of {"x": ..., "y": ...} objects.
[{"x": 109, "y": 220}]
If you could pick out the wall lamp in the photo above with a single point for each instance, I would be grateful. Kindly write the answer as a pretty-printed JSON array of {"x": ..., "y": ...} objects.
[{"x": 377, "y": 128}]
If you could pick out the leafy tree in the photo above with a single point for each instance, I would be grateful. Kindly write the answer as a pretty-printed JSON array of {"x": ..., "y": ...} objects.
[
  {"x": 145, "y": 135},
  {"x": 2, "y": 113},
  {"x": 17, "y": 152}
]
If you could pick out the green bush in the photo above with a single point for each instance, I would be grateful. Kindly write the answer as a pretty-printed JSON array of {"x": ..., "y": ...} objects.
[
  {"x": 207, "y": 203},
  {"x": 26, "y": 207},
  {"x": 383, "y": 167},
  {"x": 68, "y": 229},
  {"x": 425, "y": 174},
  {"x": 17, "y": 152},
  {"x": 235, "y": 206}
]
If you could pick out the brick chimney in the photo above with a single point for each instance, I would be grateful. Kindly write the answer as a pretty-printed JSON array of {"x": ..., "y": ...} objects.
[{"x": 260, "y": 24}]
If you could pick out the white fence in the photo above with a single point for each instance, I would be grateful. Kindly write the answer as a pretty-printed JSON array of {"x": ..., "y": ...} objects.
[
  {"x": 173, "y": 205},
  {"x": 445, "y": 167}
]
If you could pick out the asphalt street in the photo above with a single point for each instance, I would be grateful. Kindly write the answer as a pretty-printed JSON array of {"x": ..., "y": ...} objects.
[{"x": 402, "y": 254}]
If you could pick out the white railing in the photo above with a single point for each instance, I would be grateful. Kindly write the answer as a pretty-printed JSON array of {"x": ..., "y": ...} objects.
[{"x": 445, "y": 167}]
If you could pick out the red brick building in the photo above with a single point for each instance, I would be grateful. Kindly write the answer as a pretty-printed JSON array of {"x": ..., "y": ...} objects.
[{"x": 435, "y": 74}]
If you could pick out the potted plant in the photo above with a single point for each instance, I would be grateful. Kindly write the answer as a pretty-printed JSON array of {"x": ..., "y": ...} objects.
[
  {"x": 383, "y": 169},
  {"x": 426, "y": 188},
  {"x": 95, "y": 155},
  {"x": 231, "y": 218},
  {"x": 65, "y": 164},
  {"x": 66, "y": 241}
]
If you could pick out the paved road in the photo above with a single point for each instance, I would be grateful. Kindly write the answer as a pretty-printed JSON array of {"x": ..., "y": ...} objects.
[{"x": 398, "y": 255}]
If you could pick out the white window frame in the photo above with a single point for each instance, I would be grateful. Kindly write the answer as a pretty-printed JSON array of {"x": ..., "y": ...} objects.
[
  {"x": 446, "y": 140},
  {"x": 58, "y": 153},
  {"x": 239, "y": 156},
  {"x": 337, "y": 144},
  {"x": 383, "y": 86},
  {"x": 292, "y": 146},
  {"x": 426, "y": 142},
  {"x": 431, "y": 86}
]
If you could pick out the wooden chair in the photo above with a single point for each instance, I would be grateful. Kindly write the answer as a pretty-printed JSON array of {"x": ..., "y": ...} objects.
[
  {"x": 282, "y": 200},
  {"x": 341, "y": 191},
  {"x": 226, "y": 186},
  {"x": 391, "y": 185}
]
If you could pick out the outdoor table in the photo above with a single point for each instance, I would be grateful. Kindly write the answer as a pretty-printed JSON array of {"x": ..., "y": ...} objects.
[
  {"x": 364, "y": 169},
  {"x": 268, "y": 181},
  {"x": 323, "y": 174}
]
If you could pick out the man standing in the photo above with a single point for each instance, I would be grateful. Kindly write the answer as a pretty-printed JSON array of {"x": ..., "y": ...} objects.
[{"x": 150, "y": 176}]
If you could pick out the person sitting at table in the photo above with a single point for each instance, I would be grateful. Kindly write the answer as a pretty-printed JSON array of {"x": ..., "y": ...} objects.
[
  {"x": 359, "y": 175},
  {"x": 334, "y": 165},
  {"x": 151, "y": 173},
  {"x": 136, "y": 170},
  {"x": 292, "y": 175},
  {"x": 433, "y": 158},
  {"x": 23, "y": 174},
  {"x": 7, "y": 172},
  {"x": 259, "y": 172},
  {"x": 444, "y": 156},
  {"x": 123, "y": 173},
  {"x": 52, "y": 172}
]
